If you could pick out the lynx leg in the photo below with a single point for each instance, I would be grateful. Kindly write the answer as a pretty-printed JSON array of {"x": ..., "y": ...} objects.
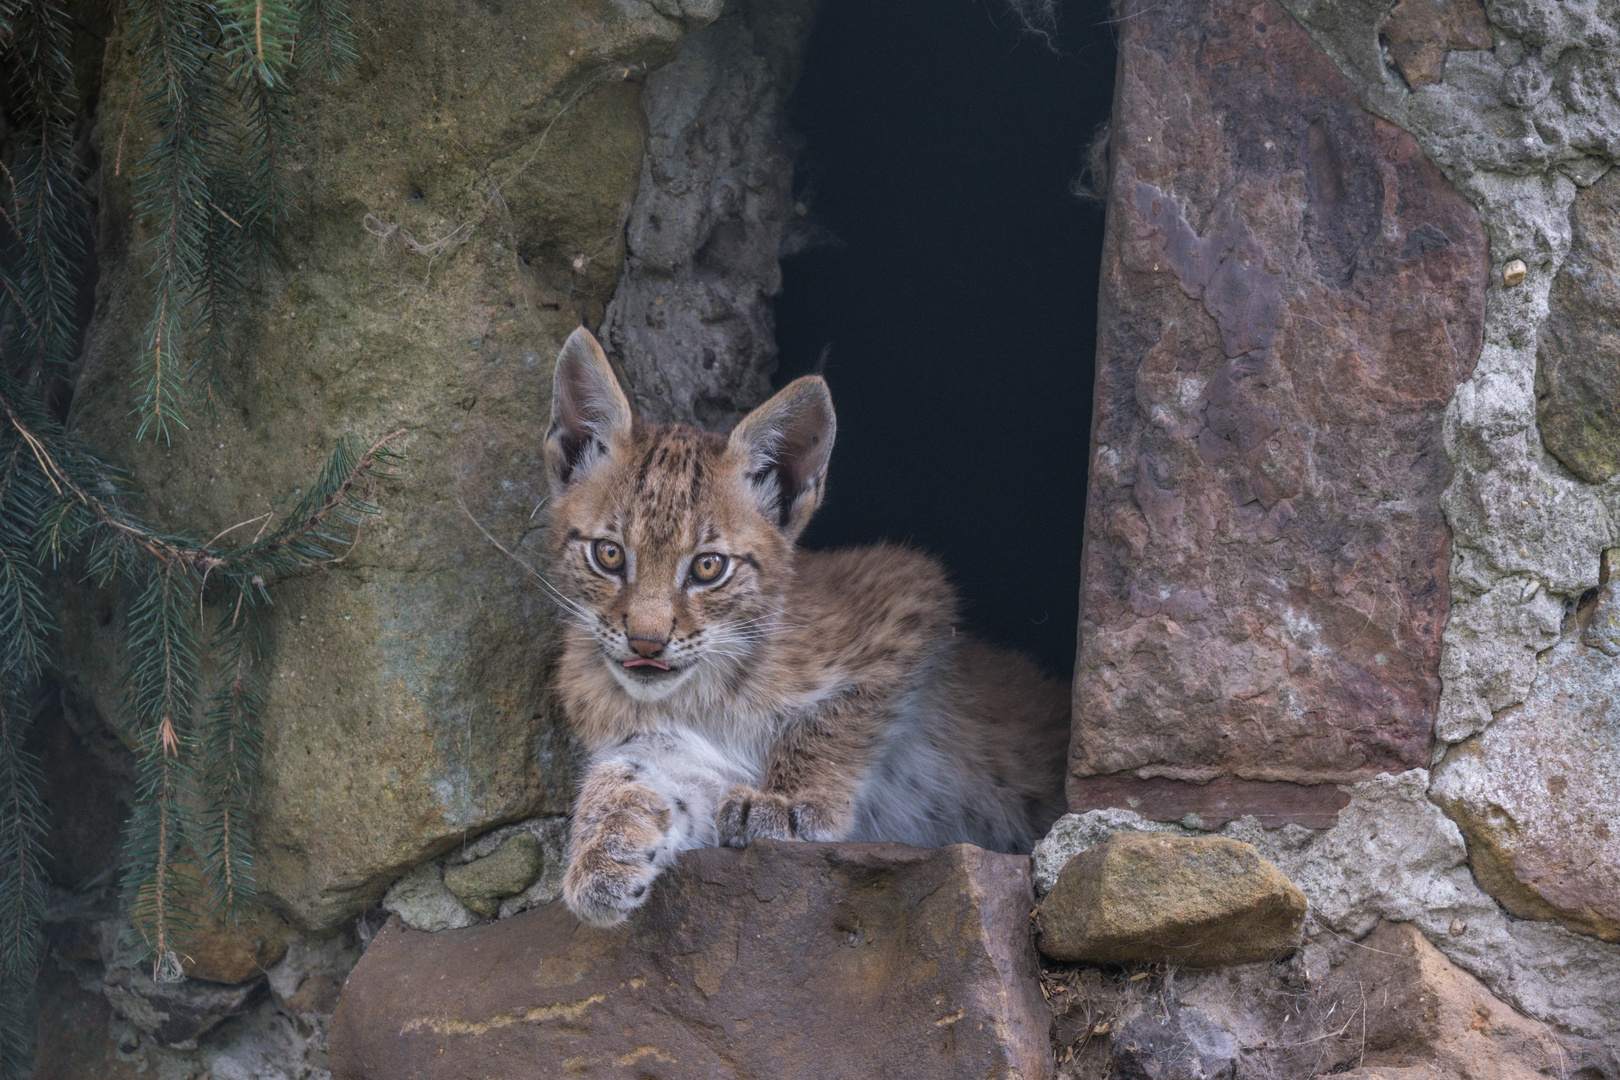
[{"x": 639, "y": 806}]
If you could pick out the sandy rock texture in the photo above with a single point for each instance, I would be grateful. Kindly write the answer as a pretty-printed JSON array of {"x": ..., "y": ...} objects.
[
  {"x": 1291, "y": 295},
  {"x": 447, "y": 186},
  {"x": 783, "y": 960},
  {"x": 1203, "y": 901}
]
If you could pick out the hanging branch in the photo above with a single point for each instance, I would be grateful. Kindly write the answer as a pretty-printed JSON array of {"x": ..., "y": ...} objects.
[
  {"x": 46, "y": 195},
  {"x": 211, "y": 86}
]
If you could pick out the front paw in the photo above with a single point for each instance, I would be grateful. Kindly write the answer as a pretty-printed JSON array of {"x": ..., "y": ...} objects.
[
  {"x": 746, "y": 815},
  {"x": 602, "y": 889},
  {"x": 613, "y": 860}
]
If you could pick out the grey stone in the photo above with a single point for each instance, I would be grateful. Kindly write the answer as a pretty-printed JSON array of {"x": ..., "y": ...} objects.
[
  {"x": 421, "y": 900},
  {"x": 691, "y": 321},
  {"x": 1395, "y": 855},
  {"x": 1074, "y": 833},
  {"x": 1535, "y": 794},
  {"x": 508, "y": 870},
  {"x": 175, "y": 1013},
  {"x": 1602, "y": 629}
]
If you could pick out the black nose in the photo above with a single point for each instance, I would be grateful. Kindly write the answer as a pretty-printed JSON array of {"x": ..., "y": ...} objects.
[{"x": 647, "y": 647}]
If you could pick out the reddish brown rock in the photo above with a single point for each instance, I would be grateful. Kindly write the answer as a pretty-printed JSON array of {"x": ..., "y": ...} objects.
[
  {"x": 1420, "y": 33},
  {"x": 1291, "y": 293},
  {"x": 1272, "y": 803},
  {"x": 785, "y": 960}
]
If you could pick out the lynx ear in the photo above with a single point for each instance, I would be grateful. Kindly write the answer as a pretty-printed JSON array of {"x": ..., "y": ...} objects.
[
  {"x": 786, "y": 443},
  {"x": 588, "y": 410}
]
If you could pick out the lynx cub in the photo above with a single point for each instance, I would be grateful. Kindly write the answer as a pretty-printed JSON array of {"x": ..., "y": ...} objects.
[{"x": 730, "y": 687}]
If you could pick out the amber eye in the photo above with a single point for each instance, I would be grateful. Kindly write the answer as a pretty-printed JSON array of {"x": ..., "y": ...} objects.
[
  {"x": 609, "y": 555},
  {"x": 707, "y": 567}
]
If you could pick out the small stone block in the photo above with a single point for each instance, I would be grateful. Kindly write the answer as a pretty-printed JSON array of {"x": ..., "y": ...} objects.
[
  {"x": 507, "y": 871},
  {"x": 1514, "y": 272},
  {"x": 1204, "y": 901}
]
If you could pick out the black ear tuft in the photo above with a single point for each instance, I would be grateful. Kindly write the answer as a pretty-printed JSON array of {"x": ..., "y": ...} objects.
[
  {"x": 588, "y": 410},
  {"x": 786, "y": 444}
]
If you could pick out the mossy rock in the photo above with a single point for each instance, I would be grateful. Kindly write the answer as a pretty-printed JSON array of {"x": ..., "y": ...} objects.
[{"x": 407, "y": 701}]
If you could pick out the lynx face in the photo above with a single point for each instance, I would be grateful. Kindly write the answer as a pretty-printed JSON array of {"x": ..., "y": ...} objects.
[{"x": 672, "y": 546}]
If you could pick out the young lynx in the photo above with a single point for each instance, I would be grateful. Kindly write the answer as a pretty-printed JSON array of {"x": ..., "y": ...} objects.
[{"x": 730, "y": 687}]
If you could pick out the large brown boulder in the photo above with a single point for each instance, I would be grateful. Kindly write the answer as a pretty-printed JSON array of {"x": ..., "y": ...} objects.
[
  {"x": 461, "y": 200},
  {"x": 1290, "y": 295},
  {"x": 1200, "y": 901},
  {"x": 783, "y": 961}
]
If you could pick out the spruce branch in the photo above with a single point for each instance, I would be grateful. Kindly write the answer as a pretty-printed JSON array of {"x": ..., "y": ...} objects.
[{"x": 47, "y": 200}]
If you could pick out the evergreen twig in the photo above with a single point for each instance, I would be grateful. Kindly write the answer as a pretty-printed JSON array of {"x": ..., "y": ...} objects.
[{"x": 211, "y": 87}]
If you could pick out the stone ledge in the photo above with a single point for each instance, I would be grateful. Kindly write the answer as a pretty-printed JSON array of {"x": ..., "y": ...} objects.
[{"x": 785, "y": 960}]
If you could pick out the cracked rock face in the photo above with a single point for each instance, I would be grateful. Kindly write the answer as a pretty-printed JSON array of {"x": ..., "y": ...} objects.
[
  {"x": 691, "y": 322},
  {"x": 1291, "y": 295},
  {"x": 790, "y": 960}
]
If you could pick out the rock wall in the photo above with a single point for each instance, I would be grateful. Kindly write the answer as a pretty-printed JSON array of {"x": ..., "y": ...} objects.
[
  {"x": 466, "y": 195},
  {"x": 1354, "y": 503}
]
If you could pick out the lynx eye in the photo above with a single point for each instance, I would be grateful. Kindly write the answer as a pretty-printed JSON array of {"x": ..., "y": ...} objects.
[
  {"x": 707, "y": 567},
  {"x": 608, "y": 555}
]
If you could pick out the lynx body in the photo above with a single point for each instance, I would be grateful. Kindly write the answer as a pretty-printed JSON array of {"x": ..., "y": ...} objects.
[{"x": 730, "y": 687}]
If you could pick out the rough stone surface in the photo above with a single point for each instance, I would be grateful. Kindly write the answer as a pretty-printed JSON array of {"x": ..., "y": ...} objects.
[
  {"x": 691, "y": 321},
  {"x": 406, "y": 703},
  {"x": 1199, "y": 901},
  {"x": 279, "y": 1035},
  {"x": 1211, "y": 805},
  {"x": 1173, "y": 1044},
  {"x": 508, "y": 870},
  {"x": 1578, "y": 381},
  {"x": 783, "y": 960},
  {"x": 1291, "y": 295},
  {"x": 1389, "y": 1001},
  {"x": 421, "y": 899},
  {"x": 1418, "y": 1009},
  {"x": 1521, "y": 130},
  {"x": 1537, "y": 795},
  {"x": 1395, "y": 855},
  {"x": 1602, "y": 629},
  {"x": 234, "y": 951}
]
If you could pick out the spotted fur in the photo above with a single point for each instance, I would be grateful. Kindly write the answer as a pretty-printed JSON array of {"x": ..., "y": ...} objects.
[{"x": 808, "y": 696}]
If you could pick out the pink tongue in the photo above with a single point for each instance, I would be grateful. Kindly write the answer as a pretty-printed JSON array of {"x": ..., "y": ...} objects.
[{"x": 659, "y": 664}]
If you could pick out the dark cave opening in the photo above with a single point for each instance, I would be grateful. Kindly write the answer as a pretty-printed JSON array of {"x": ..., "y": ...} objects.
[{"x": 941, "y": 143}]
